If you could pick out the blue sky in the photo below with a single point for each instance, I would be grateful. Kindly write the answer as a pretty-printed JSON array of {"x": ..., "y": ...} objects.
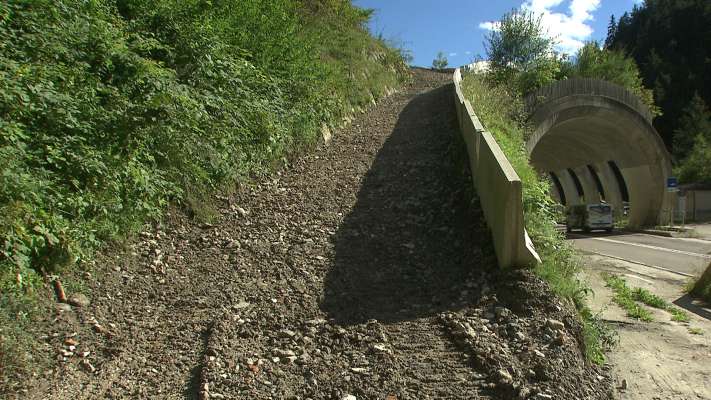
[{"x": 458, "y": 28}]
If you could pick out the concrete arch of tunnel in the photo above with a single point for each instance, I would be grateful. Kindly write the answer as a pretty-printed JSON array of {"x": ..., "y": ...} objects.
[
  {"x": 610, "y": 184},
  {"x": 597, "y": 181},
  {"x": 581, "y": 122},
  {"x": 557, "y": 189},
  {"x": 571, "y": 192},
  {"x": 624, "y": 193},
  {"x": 590, "y": 193}
]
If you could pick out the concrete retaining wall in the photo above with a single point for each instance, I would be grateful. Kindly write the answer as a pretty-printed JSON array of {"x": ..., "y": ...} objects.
[
  {"x": 498, "y": 186},
  {"x": 698, "y": 206}
]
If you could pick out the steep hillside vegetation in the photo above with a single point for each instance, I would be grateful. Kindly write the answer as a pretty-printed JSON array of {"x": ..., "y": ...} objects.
[
  {"x": 670, "y": 41},
  {"x": 111, "y": 110}
]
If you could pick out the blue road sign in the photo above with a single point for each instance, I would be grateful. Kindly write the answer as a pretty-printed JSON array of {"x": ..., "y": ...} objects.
[{"x": 672, "y": 184}]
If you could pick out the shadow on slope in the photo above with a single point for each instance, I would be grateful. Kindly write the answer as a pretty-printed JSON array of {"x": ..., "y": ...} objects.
[{"x": 413, "y": 238}]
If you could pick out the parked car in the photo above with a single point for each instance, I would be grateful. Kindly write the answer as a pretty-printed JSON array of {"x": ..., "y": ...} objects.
[{"x": 589, "y": 217}]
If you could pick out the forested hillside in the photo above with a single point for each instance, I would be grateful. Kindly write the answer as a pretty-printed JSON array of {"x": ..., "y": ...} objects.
[
  {"x": 110, "y": 110},
  {"x": 671, "y": 42}
]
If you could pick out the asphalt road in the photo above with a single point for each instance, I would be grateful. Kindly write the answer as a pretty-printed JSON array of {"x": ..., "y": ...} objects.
[{"x": 684, "y": 256}]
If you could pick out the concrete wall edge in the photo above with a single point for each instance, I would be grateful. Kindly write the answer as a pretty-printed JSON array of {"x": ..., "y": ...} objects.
[{"x": 498, "y": 186}]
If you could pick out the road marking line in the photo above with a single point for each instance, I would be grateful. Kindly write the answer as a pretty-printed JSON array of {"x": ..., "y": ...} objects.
[
  {"x": 647, "y": 246},
  {"x": 639, "y": 263}
]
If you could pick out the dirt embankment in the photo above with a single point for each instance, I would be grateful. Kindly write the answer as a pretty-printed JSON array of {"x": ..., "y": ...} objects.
[{"x": 360, "y": 272}]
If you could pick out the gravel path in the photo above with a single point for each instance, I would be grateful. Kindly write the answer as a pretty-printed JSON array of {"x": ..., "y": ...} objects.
[{"x": 360, "y": 272}]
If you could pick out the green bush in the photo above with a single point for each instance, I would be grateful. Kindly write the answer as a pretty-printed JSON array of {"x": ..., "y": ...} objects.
[
  {"x": 593, "y": 61},
  {"x": 692, "y": 143},
  {"x": 110, "y": 110},
  {"x": 521, "y": 53},
  {"x": 440, "y": 62}
]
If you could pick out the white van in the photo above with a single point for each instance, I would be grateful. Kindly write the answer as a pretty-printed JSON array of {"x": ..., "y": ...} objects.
[{"x": 589, "y": 216}]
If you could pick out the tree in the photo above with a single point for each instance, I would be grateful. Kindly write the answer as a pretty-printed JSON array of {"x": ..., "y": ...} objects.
[
  {"x": 696, "y": 167},
  {"x": 694, "y": 122},
  {"x": 440, "y": 62},
  {"x": 611, "y": 31},
  {"x": 592, "y": 61},
  {"x": 671, "y": 42},
  {"x": 521, "y": 52}
]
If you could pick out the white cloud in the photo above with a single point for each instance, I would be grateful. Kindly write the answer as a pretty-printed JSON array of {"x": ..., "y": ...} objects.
[
  {"x": 467, "y": 52},
  {"x": 570, "y": 29},
  {"x": 452, "y": 54},
  {"x": 489, "y": 25}
]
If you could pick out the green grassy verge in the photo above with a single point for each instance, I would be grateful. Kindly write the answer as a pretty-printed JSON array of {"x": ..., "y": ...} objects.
[
  {"x": 628, "y": 299},
  {"x": 111, "y": 110},
  {"x": 502, "y": 112}
]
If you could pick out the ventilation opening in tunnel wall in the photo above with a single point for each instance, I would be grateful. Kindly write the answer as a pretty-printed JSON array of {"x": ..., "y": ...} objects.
[
  {"x": 598, "y": 182},
  {"x": 559, "y": 188},
  {"x": 576, "y": 181},
  {"x": 620, "y": 181}
]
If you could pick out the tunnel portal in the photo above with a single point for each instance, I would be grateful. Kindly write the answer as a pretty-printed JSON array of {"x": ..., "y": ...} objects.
[{"x": 597, "y": 142}]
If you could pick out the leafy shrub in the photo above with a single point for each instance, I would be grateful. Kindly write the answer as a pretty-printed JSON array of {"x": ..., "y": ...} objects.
[
  {"x": 697, "y": 165},
  {"x": 593, "y": 61},
  {"x": 110, "y": 110},
  {"x": 440, "y": 62},
  {"x": 692, "y": 143},
  {"x": 521, "y": 53}
]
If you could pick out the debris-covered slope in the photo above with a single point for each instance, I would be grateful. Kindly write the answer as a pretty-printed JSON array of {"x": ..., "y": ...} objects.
[{"x": 362, "y": 271}]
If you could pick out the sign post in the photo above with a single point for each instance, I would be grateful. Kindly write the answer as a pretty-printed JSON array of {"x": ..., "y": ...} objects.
[{"x": 672, "y": 187}]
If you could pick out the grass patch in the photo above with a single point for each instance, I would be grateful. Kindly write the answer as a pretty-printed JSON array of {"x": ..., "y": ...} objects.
[
  {"x": 623, "y": 297},
  {"x": 649, "y": 298},
  {"x": 501, "y": 110},
  {"x": 20, "y": 352},
  {"x": 678, "y": 315},
  {"x": 598, "y": 336},
  {"x": 696, "y": 331},
  {"x": 628, "y": 299}
]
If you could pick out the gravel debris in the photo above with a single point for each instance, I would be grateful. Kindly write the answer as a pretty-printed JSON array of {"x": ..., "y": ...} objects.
[{"x": 360, "y": 271}]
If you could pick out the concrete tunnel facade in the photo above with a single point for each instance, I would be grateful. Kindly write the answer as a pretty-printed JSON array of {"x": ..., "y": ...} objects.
[{"x": 583, "y": 130}]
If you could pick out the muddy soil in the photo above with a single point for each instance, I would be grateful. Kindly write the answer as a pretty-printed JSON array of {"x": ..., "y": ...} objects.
[{"x": 361, "y": 271}]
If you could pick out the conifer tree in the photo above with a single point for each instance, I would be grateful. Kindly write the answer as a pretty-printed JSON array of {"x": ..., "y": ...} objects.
[{"x": 695, "y": 121}]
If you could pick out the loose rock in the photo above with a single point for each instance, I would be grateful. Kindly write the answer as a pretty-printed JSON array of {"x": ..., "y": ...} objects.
[
  {"x": 555, "y": 325},
  {"x": 79, "y": 300}
]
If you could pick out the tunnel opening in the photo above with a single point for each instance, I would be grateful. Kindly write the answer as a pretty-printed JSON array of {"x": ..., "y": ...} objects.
[
  {"x": 598, "y": 182},
  {"x": 581, "y": 124},
  {"x": 559, "y": 188},
  {"x": 577, "y": 183},
  {"x": 620, "y": 181}
]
